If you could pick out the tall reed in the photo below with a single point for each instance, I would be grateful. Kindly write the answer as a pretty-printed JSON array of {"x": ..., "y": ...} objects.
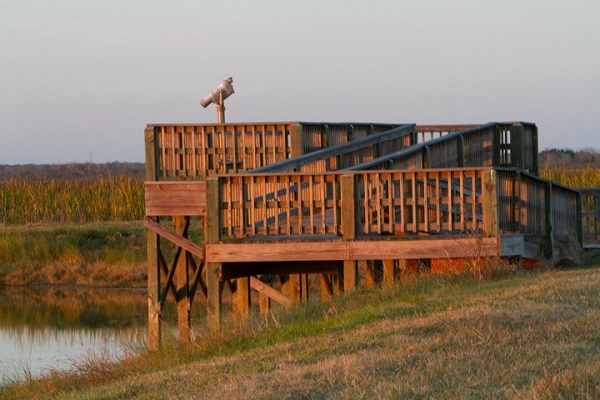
[
  {"x": 105, "y": 198},
  {"x": 588, "y": 177}
]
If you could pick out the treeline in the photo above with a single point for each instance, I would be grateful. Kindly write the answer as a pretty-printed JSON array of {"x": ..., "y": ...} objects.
[
  {"x": 72, "y": 171},
  {"x": 567, "y": 158}
]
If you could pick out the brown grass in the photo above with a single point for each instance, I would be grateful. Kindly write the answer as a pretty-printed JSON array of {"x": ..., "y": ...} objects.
[{"x": 524, "y": 337}]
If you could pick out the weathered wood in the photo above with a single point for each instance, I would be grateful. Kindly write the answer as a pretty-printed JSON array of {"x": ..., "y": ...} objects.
[
  {"x": 154, "y": 303},
  {"x": 152, "y": 243},
  {"x": 242, "y": 297},
  {"x": 268, "y": 291},
  {"x": 458, "y": 247},
  {"x": 517, "y": 144},
  {"x": 175, "y": 198},
  {"x": 427, "y": 247},
  {"x": 299, "y": 251},
  {"x": 549, "y": 237},
  {"x": 389, "y": 272},
  {"x": 326, "y": 286},
  {"x": 293, "y": 287},
  {"x": 214, "y": 286},
  {"x": 184, "y": 323},
  {"x": 490, "y": 203},
  {"x": 173, "y": 237},
  {"x": 214, "y": 279},
  {"x": 348, "y": 183}
]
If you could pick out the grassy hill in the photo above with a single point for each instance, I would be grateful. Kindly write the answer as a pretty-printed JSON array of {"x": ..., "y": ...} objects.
[{"x": 527, "y": 335}]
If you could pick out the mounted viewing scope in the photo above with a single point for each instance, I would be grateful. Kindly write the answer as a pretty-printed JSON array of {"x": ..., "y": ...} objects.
[{"x": 218, "y": 96}]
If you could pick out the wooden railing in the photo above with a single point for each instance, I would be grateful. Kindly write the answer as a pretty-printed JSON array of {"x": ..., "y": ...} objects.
[
  {"x": 395, "y": 204},
  {"x": 347, "y": 154},
  {"x": 493, "y": 144},
  {"x": 187, "y": 151},
  {"x": 544, "y": 211},
  {"x": 590, "y": 215}
]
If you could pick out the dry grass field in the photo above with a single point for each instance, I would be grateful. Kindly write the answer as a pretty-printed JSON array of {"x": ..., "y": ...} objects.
[{"x": 528, "y": 335}]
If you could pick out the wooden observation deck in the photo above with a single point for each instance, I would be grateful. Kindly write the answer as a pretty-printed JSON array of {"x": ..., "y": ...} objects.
[{"x": 335, "y": 200}]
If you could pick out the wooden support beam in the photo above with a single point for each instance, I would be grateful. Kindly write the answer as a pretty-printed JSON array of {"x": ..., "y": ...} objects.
[
  {"x": 184, "y": 323},
  {"x": 268, "y": 291},
  {"x": 389, "y": 272},
  {"x": 490, "y": 203},
  {"x": 242, "y": 297},
  {"x": 326, "y": 287},
  {"x": 214, "y": 270},
  {"x": 214, "y": 286},
  {"x": 517, "y": 146},
  {"x": 177, "y": 239},
  {"x": 350, "y": 268},
  {"x": 294, "y": 287},
  {"x": 153, "y": 250},
  {"x": 154, "y": 303},
  {"x": 549, "y": 236}
]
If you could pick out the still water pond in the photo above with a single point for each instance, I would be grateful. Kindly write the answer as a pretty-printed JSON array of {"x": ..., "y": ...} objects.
[{"x": 48, "y": 329}]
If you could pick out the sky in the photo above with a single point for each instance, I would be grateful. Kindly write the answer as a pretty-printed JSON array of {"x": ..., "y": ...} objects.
[{"x": 80, "y": 80}]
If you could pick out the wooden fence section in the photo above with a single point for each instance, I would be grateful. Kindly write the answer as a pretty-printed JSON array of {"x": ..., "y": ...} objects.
[
  {"x": 590, "y": 215},
  {"x": 188, "y": 151},
  {"x": 493, "y": 144},
  {"x": 395, "y": 204},
  {"x": 345, "y": 155}
]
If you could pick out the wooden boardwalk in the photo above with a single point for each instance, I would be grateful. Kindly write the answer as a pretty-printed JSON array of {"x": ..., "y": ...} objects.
[{"x": 330, "y": 200}]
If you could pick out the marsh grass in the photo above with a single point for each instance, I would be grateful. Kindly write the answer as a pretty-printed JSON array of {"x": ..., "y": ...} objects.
[
  {"x": 588, "y": 177},
  {"x": 527, "y": 335},
  {"x": 103, "y": 198},
  {"x": 99, "y": 254}
]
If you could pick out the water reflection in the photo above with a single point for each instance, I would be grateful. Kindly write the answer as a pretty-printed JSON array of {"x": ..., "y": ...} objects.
[{"x": 46, "y": 329}]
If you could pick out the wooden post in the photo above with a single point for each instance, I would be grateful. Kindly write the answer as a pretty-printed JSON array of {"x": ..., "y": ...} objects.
[
  {"x": 242, "y": 297},
  {"x": 296, "y": 141},
  {"x": 304, "y": 288},
  {"x": 151, "y": 154},
  {"x": 497, "y": 146},
  {"x": 153, "y": 243},
  {"x": 534, "y": 151},
  {"x": 265, "y": 304},
  {"x": 184, "y": 323},
  {"x": 490, "y": 203},
  {"x": 214, "y": 284},
  {"x": 296, "y": 150},
  {"x": 326, "y": 287},
  {"x": 549, "y": 212},
  {"x": 426, "y": 157},
  {"x": 460, "y": 151},
  {"x": 517, "y": 146},
  {"x": 580, "y": 216},
  {"x": 389, "y": 272},
  {"x": 349, "y": 228},
  {"x": 294, "y": 287},
  {"x": 154, "y": 304}
]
